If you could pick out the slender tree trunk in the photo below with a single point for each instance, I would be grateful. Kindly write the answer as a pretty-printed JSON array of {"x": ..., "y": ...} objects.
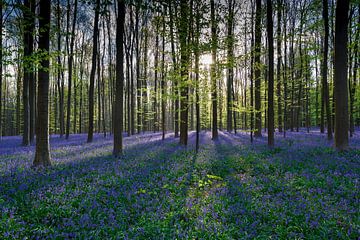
[
  {"x": 340, "y": 76},
  {"x": 353, "y": 84},
  {"x": 98, "y": 81},
  {"x": 28, "y": 18},
  {"x": 70, "y": 66},
  {"x": 42, "y": 152},
  {"x": 118, "y": 105},
  {"x": 144, "y": 81},
  {"x": 176, "y": 87},
  {"x": 1, "y": 67},
  {"x": 184, "y": 59},
  {"x": 60, "y": 75},
  {"x": 137, "y": 56},
  {"x": 156, "y": 66},
  {"x": 278, "y": 73},
  {"x": 92, "y": 73},
  {"x": 252, "y": 77},
  {"x": 285, "y": 76},
  {"x": 163, "y": 90},
  {"x": 257, "y": 70},
  {"x": 271, "y": 74},
  {"x": 324, "y": 69},
  {"x": 132, "y": 94},
  {"x": 197, "y": 76},
  {"x": 213, "y": 72},
  {"x": 230, "y": 76}
]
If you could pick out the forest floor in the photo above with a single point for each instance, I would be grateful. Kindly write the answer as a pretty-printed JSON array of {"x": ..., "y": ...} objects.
[{"x": 231, "y": 189}]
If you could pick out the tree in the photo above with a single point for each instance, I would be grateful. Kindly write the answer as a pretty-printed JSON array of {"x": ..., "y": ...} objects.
[
  {"x": 175, "y": 69},
  {"x": 230, "y": 59},
  {"x": 118, "y": 104},
  {"x": 60, "y": 73},
  {"x": 324, "y": 69},
  {"x": 42, "y": 152},
  {"x": 278, "y": 65},
  {"x": 70, "y": 66},
  {"x": 92, "y": 73},
  {"x": 184, "y": 58},
  {"x": 1, "y": 64},
  {"x": 340, "y": 76},
  {"x": 213, "y": 72},
  {"x": 270, "y": 38},
  {"x": 163, "y": 90},
  {"x": 257, "y": 70},
  {"x": 28, "y": 47}
]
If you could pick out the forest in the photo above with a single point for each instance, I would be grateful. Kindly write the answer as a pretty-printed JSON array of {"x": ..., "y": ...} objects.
[{"x": 179, "y": 119}]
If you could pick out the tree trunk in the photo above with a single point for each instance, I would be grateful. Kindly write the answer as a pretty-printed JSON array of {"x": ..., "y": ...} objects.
[
  {"x": 163, "y": 90},
  {"x": 184, "y": 59},
  {"x": 92, "y": 73},
  {"x": 340, "y": 76},
  {"x": 271, "y": 75},
  {"x": 230, "y": 76},
  {"x": 28, "y": 31},
  {"x": 42, "y": 152},
  {"x": 1, "y": 65},
  {"x": 326, "y": 100},
  {"x": 60, "y": 76},
  {"x": 213, "y": 72},
  {"x": 278, "y": 73},
  {"x": 70, "y": 66},
  {"x": 118, "y": 105},
  {"x": 176, "y": 87},
  {"x": 257, "y": 70}
]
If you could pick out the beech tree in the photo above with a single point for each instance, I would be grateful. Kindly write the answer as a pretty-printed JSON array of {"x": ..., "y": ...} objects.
[
  {"x": 42, "y": 151},
  {"x": 92, "y": 74},
  {"x": 118, "y": 104},
  {"x": 270, "y": 38},
  {"x": 340, "y": 76}
]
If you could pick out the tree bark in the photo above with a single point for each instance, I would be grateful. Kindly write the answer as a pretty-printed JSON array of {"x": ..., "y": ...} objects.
[
  {"x": 340, "y": 76},
  {"x": 42, "y": 152},
  {"x": 213, "y": 72},
  {"x": 324, "y": 70},
  {"x": 184, "y": 88},
  {"x": 118, "y": 105},
  {"x": 70, "y": 66},
  {"x": 278, "y": 73},
  {"x": 230, "y": 74},
  {"x": 176, "y": 87},
  {"x": 257, "y": 70},
  {"x": 270, "y": 38},
  {"x": 27, "y": 65},
  {"x": 92, "y": 73},
  {"x": 1, "y": 65}
]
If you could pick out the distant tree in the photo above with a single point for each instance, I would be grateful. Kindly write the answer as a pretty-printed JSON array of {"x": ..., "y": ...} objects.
[
  {"x": 340, "y": 76},
  {"x": 118, "y": 104},
  {"x": 92, "y": 73},
  {"x": 230, "y": 62},
  {"x": 42, "y": 152}
]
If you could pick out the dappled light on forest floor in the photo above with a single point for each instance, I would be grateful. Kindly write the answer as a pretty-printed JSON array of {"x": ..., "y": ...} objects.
[{"x": 159, "y": 190}]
